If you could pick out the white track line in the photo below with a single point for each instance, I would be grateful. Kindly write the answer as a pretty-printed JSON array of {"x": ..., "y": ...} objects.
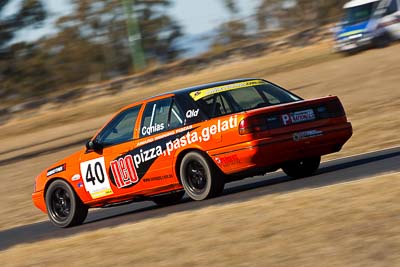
[
  {"x": 357, "y": 181},
  {"x": 361, "y": 154}
]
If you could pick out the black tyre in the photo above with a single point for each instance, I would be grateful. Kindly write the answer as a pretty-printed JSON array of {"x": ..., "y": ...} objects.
[
  {"x": 169, "y": 199},
  {"x": 383, "y": 41},
  {"x": 200, "y": 178},
  {"x": 64, "y": 207},
  {"x": 302, "y": 168}
]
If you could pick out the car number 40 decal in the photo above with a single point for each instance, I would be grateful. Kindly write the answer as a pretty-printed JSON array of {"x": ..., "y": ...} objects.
[{"x": 95, "y": 178}]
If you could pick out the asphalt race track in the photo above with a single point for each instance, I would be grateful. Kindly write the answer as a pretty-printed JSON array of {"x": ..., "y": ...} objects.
[{"x": 332, "y": 172}]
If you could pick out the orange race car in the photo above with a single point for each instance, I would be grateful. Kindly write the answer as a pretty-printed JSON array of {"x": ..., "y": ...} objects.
[{"x": 193, "y": 140}]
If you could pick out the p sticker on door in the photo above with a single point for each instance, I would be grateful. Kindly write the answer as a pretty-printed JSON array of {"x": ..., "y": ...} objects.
[{"x": 95, "y": 178}]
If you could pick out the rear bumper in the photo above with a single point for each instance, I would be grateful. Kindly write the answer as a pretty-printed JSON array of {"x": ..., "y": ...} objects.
[
  {"x": 38, "y": 200},
  {"x": 274, "y": 151}
]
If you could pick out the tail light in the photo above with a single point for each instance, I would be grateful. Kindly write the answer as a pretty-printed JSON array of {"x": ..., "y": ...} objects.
[
  {"x": 331, "y": 109},
  {"x": 336, "y": 108},
  {"x": 252, "y": 125}
]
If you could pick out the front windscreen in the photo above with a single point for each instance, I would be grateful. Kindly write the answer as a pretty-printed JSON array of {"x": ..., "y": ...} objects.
[
  {"x": 238, "y": 97},
  {"x": 359, "y": 14}
]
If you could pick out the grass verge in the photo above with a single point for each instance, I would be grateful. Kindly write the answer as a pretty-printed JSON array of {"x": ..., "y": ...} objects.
[{"x": 351, "y": 224}]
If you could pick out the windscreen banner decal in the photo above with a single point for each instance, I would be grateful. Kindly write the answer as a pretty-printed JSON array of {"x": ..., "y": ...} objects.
[{"x": 196, "y": 95}]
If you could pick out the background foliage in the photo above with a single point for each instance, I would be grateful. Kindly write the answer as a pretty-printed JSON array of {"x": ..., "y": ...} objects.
[{"x": 91, "y": 43}]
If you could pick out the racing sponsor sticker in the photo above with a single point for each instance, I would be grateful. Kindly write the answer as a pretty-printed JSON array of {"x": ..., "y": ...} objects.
[
  {"x": 95, "y": 178},
  {"x": 76, "y": 177},
  {"x": 127, "y": 170},
  {"x": 298, "y": 116},
  {"x": 158, "y": 178},
  {"x": 124, "y": 171},
  {"x": 192, "y": 113},
  {"x": 149, "y": 130},
  {"x": 306, "y": 134},
  {"x": 204, "y": 136},
  {"x": 57, "y": 169},
  {"x": 228, "y": 160},
  {"x": 214, "y": 90}
]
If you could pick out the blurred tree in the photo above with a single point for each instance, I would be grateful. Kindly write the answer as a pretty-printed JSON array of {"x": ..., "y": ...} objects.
[
  {"x": 231, "y": 31},
  {"x": 329, "y": 10},
  {"x": 268, "y": 15},
  {"x": 135, "y": 36},
  {"x": 231, "y": 6},
  {"x": 291, "y": 14},
  {"x": 104, "y": 22},
  {"x": 30, "y": 13},
  {"x": 91, "y": 45}
]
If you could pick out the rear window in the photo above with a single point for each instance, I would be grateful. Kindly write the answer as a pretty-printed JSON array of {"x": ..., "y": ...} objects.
[{"x": 231, "y": 99}]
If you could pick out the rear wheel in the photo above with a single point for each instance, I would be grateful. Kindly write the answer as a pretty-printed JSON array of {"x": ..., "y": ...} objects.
[
  {"x": 169, "y": 199},
  {"x": 302, "y": 168},
  {"x": 200, "y": 178},
  {"x": 64, "y": 207}
]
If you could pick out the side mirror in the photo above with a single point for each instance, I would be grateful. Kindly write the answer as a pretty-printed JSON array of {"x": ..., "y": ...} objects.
[{"x": 93, "y": 145}]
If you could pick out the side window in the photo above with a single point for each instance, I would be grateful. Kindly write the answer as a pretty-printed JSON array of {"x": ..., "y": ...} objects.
[
  {"x": 176, "y": 118},
  {"x": 221, "y": 106},
  {"x": 392, "y": 8},
  {"x": 215, "y": 105},
  {"x": 120, "y": 129},
  {"x": 159, "y": 116}
]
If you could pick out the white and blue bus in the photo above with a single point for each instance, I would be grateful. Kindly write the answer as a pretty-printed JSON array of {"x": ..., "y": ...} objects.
[{"x": 368, "y": 23}]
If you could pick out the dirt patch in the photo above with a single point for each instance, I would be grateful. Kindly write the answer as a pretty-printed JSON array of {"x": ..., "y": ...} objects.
[{"x": 351, "y": 224}]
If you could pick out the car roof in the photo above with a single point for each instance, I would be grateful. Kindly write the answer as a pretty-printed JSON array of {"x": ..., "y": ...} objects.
[
  {"x": 204, "y": 86},
  {"x": 355, "y": 3}
]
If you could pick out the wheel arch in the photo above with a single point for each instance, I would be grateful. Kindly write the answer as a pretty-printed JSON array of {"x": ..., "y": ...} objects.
[
  {"x": 52, "y": 180},
  {"x": 183, "y": 153}
]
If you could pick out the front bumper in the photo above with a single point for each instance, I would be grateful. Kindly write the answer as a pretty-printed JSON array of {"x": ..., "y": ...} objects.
[
  {"x": 38, "y": 200},
  {"x": 349, "y": 44}
]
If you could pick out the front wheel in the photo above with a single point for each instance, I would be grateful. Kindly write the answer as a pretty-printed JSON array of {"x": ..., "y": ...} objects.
[
  {"x": 302, "y": 168},
  {"x": 200, "y": 178},
  {"x": 64, "y": 207},
  {"x": 383, "y": 41}
]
